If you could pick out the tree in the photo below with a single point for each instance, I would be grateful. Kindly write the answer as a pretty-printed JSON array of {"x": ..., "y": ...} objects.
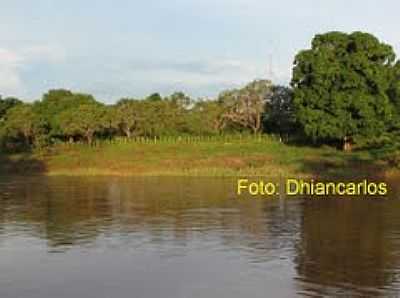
[
  {"x": 279, "y": 116},
  {"x": 6, "y": 104},
  {"x": 161, "y": 118},
  {"x": 127, "y": 116},
  {"x": 207, "y": 117},
  {"x": 177, "y": 108},
  {"x": 22, "y": 122},
  {"x": 154, "y": 97},
  {"x": 55, "y": 102},
  {"x": 245, "y": 106},
  {"x": 341, "y": 87},
  {"x": 85, "y": 120},
  {"x": 180, "y": 100},
  {"x": 394, "y": 94},
  {"x": 55, "y": 95}
]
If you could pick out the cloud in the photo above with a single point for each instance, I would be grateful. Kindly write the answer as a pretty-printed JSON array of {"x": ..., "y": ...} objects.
[
  {"x": 47, "y": 53},
  {"x": 205, "y": 74},
  {"x": 188, "y": 66},
  {"x": 8, "y": 57},
  {"x": 14, "y": 61},
  {"x": 205, "y": 77},
  {"x": 10, "y": 81}
]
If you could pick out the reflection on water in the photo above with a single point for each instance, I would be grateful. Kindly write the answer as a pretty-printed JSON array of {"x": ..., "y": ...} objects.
[{"x": 169, "y": 237}]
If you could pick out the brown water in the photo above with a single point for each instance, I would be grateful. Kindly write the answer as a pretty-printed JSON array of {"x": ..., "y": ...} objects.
[{"x": 131, "y": 237}]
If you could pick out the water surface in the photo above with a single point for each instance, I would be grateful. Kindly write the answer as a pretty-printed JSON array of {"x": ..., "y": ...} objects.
[{"x": 170, "y": 237}]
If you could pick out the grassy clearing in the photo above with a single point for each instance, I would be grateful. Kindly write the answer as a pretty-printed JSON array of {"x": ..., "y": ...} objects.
[{"x": 194, "y": 157}]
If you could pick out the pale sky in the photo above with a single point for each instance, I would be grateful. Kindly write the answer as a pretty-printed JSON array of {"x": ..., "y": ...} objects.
[{"x": 121, "y": 48}]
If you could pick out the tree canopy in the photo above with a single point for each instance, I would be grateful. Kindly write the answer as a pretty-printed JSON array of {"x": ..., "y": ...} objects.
[
  {"x": 22, "y": 123},
  {"x": 279, "y": 117},
  {"x": 84, "y": 120},
  {"x": 341, "y": 87},
  {"x": 6, "y": 104},
  {"x": 245, "y": 106},
  {"x": 55, "y": 102}
]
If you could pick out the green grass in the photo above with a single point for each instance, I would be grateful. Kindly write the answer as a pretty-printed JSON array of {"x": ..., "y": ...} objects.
[{"x": 194, "y": 157}]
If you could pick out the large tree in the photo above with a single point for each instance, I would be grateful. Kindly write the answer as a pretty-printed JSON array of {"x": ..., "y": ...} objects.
[
  {"x": 85, "y": 120},
  {"x": 127, "y": 116},
  {"x": 279, "y": 115},
  {"x": 245, "y": 106},
  {"x": 55, "y": 102},
  {"x": 341, "y": 87},
  {"x": 394, "y": 94},
  {"x": 23, "y": 123},
  {"x": 206, "y": 117}
]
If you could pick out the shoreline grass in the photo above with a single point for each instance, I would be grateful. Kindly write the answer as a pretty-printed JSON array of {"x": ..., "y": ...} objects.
[{"x": 218, "y": 156}]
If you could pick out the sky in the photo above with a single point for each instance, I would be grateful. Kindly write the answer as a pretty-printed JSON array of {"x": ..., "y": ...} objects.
[{"x": 131, "y": 48}]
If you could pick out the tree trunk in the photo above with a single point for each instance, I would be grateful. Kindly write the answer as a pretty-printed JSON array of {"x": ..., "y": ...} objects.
[
  {"x": 128, "y": 133},
  {"x": 347, "y": 144},
  {"x": 258, "y": 122},
  {"x": 27, "y": 138},
  {"x": 89, "y": 138}
]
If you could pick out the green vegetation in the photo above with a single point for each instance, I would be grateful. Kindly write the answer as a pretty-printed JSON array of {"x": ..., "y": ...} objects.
[
  {"x": 345, "y": 93},
  {"x": 343, "y": 88},
  {"x": 198, "y": 156},
  {"x": 63, "y": 116}
]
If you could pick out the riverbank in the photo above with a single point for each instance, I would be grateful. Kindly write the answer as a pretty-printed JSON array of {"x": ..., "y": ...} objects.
[{"x": 212, "y": 157}]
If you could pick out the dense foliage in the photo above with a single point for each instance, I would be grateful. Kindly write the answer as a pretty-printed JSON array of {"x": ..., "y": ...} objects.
[
  {"x": 344, "y": 88},
  {"x": 65, "y": 116}
]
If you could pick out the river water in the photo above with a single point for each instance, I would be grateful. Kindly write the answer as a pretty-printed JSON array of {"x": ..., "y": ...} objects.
[{"x": 182, "y": 237}]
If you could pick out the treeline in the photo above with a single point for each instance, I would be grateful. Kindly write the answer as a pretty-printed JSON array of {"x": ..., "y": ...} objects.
[
  {"x": 65, "y": 116},
  {"x": 345, "y": 91}
]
